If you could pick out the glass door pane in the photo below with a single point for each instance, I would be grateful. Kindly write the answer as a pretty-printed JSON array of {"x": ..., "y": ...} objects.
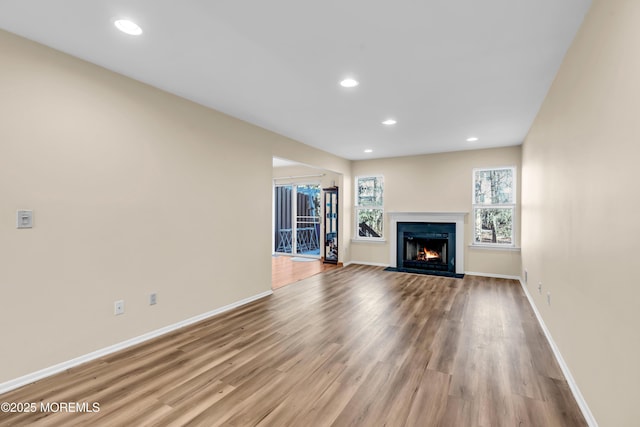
[
  {"x": 307, "y": 231},
  {"x": 283, "y": 219}
]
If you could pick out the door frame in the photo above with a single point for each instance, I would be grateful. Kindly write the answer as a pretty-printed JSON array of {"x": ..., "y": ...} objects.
[{"x": 294, "y": 215}]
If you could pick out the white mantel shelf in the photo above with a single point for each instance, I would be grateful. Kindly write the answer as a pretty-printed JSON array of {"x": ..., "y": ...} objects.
[
  {"x": 448, "y": 215},
  {"x": 454, "y": 217}
]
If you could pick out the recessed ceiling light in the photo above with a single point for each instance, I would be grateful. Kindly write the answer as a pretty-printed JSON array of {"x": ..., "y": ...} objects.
[
  {"x": 389, "y": 122},
  {"x": 349, "y": 83},
  {"x": 368, "y": 150},
  {"x": 128, "y": 27},
  {"x": 472, "y": 139}
]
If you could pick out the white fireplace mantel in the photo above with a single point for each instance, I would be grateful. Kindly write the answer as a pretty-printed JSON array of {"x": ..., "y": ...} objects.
[{"x": 453, "y": 217}]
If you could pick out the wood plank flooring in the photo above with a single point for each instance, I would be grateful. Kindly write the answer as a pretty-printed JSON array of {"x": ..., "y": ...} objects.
[
  {"x": 354, "y": 346},
  {"x": 284, "y": 271}
]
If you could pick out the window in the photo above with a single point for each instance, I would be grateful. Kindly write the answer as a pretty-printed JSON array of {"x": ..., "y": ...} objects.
[
  {"x": 368, "y": 207},
  {"x": 494, "y": 201}
]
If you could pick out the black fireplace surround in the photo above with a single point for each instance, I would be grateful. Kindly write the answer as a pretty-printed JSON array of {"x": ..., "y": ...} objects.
[{"x": 427, "y": 248}]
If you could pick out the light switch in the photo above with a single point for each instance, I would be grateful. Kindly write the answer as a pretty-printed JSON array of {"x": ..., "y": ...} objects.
[{"x": 24, "y": 219}]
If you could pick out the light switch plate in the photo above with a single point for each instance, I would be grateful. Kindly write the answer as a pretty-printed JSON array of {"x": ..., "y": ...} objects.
[{"x": 24, "y": 219}]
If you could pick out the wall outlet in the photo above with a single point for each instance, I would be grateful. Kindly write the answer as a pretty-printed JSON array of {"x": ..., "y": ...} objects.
[
  {"x": 526, "y": 276},
  {"x": 540, "y": 287},
  {"x": 548, "y": 298},
  {"x": 118, "y": 307},
  {"x": 153, "y": 298}
]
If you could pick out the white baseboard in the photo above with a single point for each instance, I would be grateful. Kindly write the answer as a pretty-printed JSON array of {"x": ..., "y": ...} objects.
[
  {"x": 582, "y": 403},
  {"x": 373, "y": 264},
  {"x": 497, "y": 276},
  {"x": 60, "y": 367}
]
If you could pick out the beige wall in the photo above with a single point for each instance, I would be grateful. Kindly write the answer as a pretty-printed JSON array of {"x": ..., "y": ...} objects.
[
  {"x": 439, "y": 183},
  {"x": 133, "y": 191},
  {"x": 580, "y": 229}
]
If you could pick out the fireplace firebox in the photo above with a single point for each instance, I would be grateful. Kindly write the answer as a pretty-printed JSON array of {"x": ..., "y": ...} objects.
[{"x": 427, "y": 247}]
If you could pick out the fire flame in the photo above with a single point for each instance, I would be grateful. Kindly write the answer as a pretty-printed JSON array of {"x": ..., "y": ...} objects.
[{"x": 428, "y": 253}]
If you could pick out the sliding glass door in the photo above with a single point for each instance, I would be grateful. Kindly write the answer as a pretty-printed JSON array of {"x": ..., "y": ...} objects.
[{"x": 297, "y": 219}]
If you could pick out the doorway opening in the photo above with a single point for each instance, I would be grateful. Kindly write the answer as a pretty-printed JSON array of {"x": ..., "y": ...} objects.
[{"x": 297, "y": 215}]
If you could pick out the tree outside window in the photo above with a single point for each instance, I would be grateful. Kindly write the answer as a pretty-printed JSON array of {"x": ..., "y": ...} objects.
[
  {"x": 494, "y": 206},
  {"x": 369, "y": 207}
]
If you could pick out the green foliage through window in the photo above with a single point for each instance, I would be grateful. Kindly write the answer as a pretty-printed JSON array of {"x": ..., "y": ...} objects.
[
  {"x": 370, "y": 222},
  {"x": 494, "y": 225},
  {"x": 370, "y": 191},
  {"x": 369, "y": 206},
  {"x": 494, "y": 206}
]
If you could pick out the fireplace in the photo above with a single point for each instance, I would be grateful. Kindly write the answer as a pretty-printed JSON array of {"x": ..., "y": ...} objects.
[
  {"x": 454, "y": 241},
  {"x": 426, "y": 247}
]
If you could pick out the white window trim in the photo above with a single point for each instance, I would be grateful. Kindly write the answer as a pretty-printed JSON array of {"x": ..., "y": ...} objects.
[
  {"x": 356, "y": 208},
  {"x": 475, "y": 206}
]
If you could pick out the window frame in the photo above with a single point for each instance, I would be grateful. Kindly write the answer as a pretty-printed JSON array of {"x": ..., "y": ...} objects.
[
  {"x": 475, "y": 207},
  {"x": 357, "y": 208}
]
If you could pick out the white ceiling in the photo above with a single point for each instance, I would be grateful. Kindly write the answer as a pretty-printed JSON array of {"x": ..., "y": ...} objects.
[{"x": 445, "y": 69}]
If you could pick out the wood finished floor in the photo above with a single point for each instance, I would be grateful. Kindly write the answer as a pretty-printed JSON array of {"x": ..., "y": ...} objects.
[
  {"x": 285, "y": 271},
  {"x": 355, "y": 346}
]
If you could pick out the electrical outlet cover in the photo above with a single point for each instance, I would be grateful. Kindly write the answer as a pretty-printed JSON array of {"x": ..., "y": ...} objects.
[
  {"x": 118, "y": 307},
  {"x": 24, "y": 219}
]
